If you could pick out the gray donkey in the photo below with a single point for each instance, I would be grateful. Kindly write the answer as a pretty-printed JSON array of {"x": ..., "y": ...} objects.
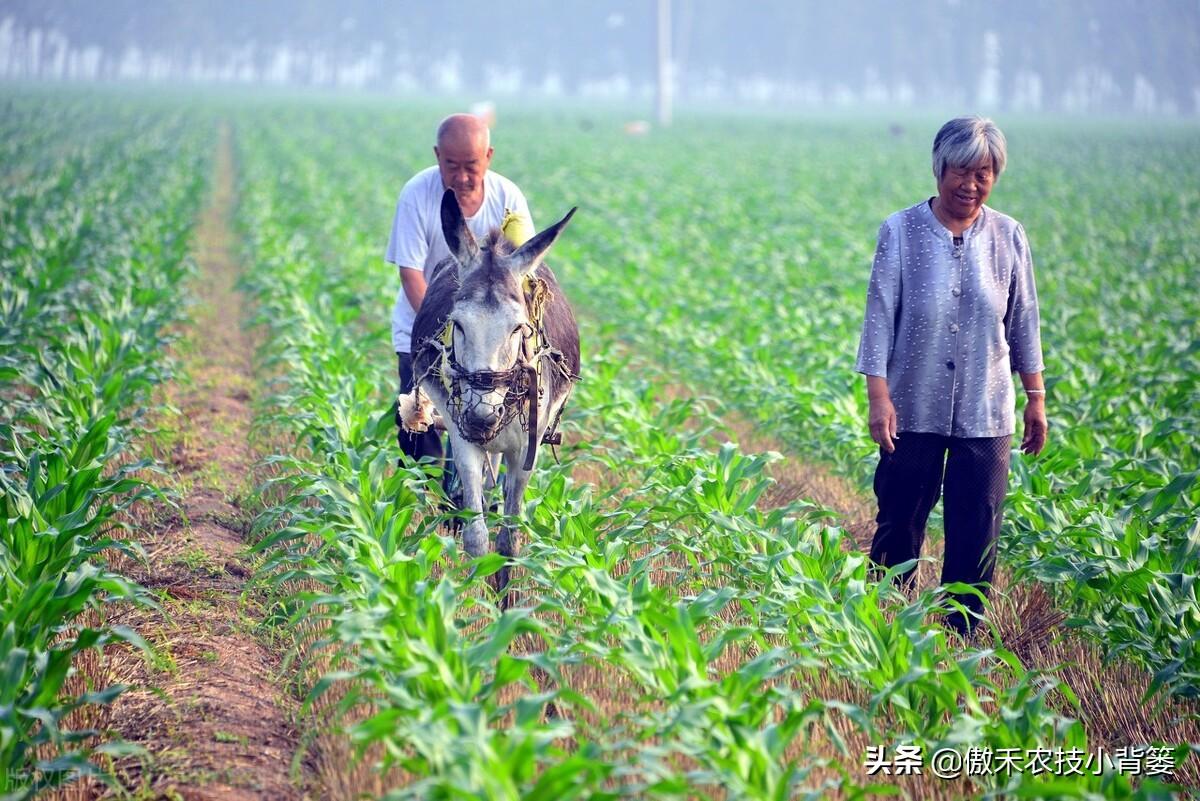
[{"x": 496, "y": 349}]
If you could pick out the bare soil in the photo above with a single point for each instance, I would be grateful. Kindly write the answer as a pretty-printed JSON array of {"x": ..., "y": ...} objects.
[{"x": 210, "y": 708}]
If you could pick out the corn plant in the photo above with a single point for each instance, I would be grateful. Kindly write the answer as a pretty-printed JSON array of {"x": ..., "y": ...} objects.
[
  {"x": 713, "y": 616},
  {"x": 94, "y": 256}
]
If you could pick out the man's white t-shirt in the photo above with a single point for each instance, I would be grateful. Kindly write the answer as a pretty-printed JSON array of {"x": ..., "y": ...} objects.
[{"x": 417, "y": 241}]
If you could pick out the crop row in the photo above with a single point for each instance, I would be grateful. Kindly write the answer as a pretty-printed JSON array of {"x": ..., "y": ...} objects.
[
  {"x": 95, "y": 234},
  {"x": 740, "y": 257},
  {"x": 671, "y": 637},
  {"x": 735, "y": 255}
]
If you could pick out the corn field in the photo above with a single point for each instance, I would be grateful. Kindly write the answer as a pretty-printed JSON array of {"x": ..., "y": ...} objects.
[{"x": 681, "y": 628}]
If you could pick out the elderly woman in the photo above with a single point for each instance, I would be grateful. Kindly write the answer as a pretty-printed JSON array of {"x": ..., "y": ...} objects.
[{"x": 951, "y": 311}]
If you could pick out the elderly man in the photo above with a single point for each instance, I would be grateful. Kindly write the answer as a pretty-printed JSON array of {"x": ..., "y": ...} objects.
[{"x": 463, "y": 153}]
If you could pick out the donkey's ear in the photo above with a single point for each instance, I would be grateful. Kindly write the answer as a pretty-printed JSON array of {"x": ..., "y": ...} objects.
[
  {"x": 458, "y": 236},
  {"x": 526, "y": 258}
]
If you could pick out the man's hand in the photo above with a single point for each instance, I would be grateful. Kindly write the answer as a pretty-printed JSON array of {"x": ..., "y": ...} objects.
[
  {"x": 882, "y": 414},
  {"x": 1036, "y": 426}
]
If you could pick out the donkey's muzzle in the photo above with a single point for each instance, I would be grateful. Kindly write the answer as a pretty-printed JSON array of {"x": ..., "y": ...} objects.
[
  {"x": 483, "y": 423},
  {"x": 484, "y": 402}
]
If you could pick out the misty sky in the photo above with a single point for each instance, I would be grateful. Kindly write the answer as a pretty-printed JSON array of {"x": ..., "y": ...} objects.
[{"x": 1020, "y": 55}]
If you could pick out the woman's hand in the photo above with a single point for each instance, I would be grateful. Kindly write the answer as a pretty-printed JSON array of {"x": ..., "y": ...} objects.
[
  {"x": 1036, "y": 426},
  {"x": 882, "y": 413}
]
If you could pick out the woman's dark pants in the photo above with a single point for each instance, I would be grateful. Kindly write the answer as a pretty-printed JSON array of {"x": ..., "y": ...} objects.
[{"x": 971, "y": 475}]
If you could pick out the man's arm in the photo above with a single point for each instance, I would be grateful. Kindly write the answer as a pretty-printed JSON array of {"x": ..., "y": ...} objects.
[
  {"x": 408, "y": 245},
  {"x": 413, "y": 282}
]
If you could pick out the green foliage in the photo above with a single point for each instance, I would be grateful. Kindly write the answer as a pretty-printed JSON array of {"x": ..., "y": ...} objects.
[
  {"x": 712, "y": 622},
  {"x": 738, "y": 254},
  {"x": 94, "y": 251},
  {"x": 671, "y": 638}
]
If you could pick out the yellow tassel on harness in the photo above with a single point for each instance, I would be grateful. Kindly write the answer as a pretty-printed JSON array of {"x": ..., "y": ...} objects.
[
  {"x": 447, "y": 339},
  {"x": 517, "y": 228}
]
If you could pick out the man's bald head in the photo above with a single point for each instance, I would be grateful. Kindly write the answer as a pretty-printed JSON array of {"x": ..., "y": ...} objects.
[
  {"x": 464, "y": 129},
  {"x": 464, "y": 153}
]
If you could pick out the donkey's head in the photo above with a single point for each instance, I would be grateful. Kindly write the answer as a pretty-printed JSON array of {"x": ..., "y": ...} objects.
[{"x": 489, "y": 317}]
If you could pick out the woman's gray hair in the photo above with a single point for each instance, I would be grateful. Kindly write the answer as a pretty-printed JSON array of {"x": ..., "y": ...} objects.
[{"x": 965, "y": 141}]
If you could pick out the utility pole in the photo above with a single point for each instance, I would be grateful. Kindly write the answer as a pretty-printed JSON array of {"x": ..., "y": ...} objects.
[{"x": 665, "y": 78}]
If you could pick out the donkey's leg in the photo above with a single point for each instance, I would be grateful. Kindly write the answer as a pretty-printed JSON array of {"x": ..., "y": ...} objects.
[
  {"x": 468, "y": 458},
  {"x": 507, "y": 542},
  {"x": 491, "y": 477}
]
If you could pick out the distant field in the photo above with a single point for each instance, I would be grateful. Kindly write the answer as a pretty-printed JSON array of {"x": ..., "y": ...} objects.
[{"x": 680, "y": 633}]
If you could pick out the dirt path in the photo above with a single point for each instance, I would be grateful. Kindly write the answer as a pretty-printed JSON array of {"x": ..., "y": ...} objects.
[{"x": 209, "y": 709}]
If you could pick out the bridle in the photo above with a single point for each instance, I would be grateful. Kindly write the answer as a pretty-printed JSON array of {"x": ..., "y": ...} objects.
[{"x": 466, "y": 388}]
